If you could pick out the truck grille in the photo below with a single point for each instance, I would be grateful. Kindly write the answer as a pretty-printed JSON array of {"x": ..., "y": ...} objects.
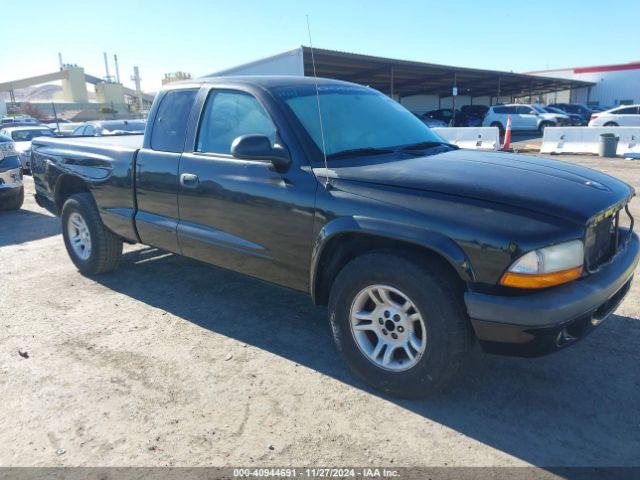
[
  {"x": 600, "y": 244},
  {"x": 603, "y": 240}
]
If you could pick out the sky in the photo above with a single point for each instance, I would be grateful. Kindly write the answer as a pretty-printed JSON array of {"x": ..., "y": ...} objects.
[{"x": 204, "y": 36}]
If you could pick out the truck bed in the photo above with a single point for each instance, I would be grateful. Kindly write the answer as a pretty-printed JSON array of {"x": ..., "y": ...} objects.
[
  {"x": 105, "y": 166},
  {"x": 121, "y": 141}
]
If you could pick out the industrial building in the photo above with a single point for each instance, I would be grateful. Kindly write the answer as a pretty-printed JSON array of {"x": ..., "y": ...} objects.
[
  {"x": 612, "y": 85},
  {"x": 110, "y": 95},
  {"x": 417, "y": 85}
]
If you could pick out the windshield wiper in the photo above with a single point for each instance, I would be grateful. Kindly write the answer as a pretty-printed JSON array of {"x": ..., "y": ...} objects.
[
  {"x": 355, "y": 152},
  {"x": 411, "y": 148}
]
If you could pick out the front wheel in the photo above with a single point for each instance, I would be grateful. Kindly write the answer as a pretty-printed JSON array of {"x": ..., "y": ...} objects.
[
  {"x": 90, "y": 245},
  {"x": 400, "y": 326},
  {"x": 543, "y": 126}
]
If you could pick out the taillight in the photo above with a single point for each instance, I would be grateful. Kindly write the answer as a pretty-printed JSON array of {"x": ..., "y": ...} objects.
[{"x": 593, "y": 116}]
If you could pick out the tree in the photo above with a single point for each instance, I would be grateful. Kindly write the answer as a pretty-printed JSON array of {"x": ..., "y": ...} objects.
[{"x": 31, "y": 110}]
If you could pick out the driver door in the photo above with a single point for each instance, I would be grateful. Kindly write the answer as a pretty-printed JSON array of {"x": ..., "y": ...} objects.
[
  {"x": 243, "y": 214},
  {"x": 528, "y": 118}
]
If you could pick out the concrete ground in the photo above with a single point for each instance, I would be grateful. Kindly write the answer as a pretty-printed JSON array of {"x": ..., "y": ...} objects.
[{"x": 171, "y": 362}]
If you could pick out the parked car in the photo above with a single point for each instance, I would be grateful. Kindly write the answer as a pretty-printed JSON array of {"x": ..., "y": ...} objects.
[
  {"x": 7, "y": 146},
  {"x": 417, "y": 247},
  {"x": 625, "y": 116},
  {"x": 578, "y": 108},
  {"x": 475, "y": 114},
  {"x": 523, "y": 118},
  {"x": 64, "y": 129},
  {"x": 20, "y": 124},
  {"x": 110, "y": 127},
  {"x": 574, "y": 119},
  {"x": 18, "y": 119},
  {"x": 11, "y": 188},
  {"x": 561, "y": 119},
  {"x": 446, "y": 115},
  {"x": 22, "y": 136},
  {"x": 431, "y": 122}
]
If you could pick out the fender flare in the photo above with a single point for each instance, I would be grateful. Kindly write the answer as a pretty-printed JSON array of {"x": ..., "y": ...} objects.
[{"x": 391, "y": 230}]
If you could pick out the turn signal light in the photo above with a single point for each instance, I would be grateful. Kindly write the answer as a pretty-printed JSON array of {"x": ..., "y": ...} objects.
[{"x": 540, "y": 280}]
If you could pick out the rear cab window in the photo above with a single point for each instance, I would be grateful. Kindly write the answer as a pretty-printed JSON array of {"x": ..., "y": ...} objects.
[{"x": 170, "y": 125}]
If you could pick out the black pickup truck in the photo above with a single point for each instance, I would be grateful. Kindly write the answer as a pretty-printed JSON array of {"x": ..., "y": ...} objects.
[{"x": 418, "y": 248}]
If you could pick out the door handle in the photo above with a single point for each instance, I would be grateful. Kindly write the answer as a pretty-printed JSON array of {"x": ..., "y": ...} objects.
[{"x": 189, "y": 180}]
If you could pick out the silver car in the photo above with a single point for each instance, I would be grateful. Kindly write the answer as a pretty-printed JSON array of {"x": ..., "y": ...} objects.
[{"x": 22, "y": 137}]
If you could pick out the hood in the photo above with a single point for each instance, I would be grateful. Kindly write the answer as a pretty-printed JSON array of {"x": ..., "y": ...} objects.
[{"x": 541, "y": 185}]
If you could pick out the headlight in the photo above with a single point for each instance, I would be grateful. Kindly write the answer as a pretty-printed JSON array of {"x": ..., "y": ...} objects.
[{"x": 546, "y": 267}]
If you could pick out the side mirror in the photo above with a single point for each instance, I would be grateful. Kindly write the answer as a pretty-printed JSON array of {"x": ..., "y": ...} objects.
[{"x": 258, "y": 147}]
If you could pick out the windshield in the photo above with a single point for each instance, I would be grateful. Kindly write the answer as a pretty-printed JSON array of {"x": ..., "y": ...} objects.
[
  {"x": 539, "y": 109},
  {"x": 355, "y": 118},
  {"x": 28, "y": 135}
]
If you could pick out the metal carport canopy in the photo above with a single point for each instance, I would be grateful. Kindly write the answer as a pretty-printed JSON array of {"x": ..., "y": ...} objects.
[{"x": 404, "y": 78}]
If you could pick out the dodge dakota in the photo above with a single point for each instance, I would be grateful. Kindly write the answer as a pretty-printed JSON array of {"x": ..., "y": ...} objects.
[{"x": 419, "y": 249}]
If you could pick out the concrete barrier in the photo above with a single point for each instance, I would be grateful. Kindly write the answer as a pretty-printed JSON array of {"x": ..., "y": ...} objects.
[
  {"x": 476, "y": 138},
  {"x": 586, "y": 139}
]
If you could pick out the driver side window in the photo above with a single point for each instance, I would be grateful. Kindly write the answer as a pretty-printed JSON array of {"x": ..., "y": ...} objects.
[{"x": 228, "y": 115}]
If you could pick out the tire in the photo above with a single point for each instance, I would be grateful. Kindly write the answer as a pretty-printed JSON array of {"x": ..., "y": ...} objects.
[
  {"x": 542, "y": 127},
  {"x": 500, "y": 127},
  {"x": 80, "y": 218},
  {"x": 435, "y": 295},
  {"x": 15, "y": 202},
  {"x": 611, "y": 124}
]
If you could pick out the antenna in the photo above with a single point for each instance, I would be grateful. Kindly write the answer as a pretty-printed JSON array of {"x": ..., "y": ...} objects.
[{"x": 327, "y": 184}]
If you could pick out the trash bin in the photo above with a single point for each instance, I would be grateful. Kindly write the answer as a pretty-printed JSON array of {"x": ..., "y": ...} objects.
[{"x": 608, "y": 145}]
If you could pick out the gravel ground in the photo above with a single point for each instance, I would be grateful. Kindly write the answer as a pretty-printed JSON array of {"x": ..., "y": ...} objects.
[{"x": 171, "y": 362}]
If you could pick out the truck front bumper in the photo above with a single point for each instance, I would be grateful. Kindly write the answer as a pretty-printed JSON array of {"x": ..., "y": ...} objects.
[{"x": 538, "y": 323}]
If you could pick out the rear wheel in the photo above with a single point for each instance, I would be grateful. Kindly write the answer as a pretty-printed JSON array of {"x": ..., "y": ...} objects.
[
  {"x": 92, "y": 247},
  {"x": 400, "y": 326},
  {"x": 14, "y": 202},
  {"x": 499, "y": 126},
  {"x": 611, "y": 124}
]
